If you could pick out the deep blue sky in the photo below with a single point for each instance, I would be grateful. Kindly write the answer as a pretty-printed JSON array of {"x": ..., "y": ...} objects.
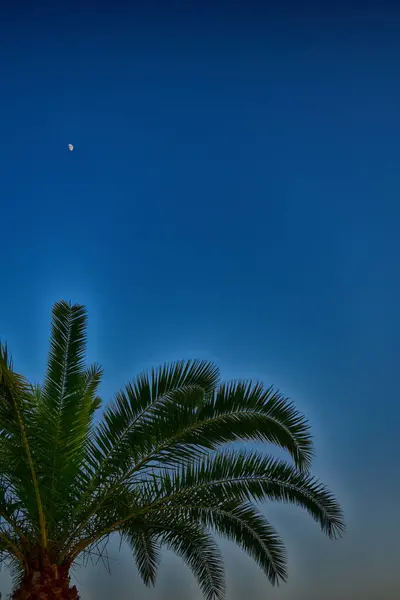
[{"x": 233, "y": 194}]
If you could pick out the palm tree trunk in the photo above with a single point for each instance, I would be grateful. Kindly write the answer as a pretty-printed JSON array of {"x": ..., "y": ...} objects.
[{"x": 46, "y": 582}]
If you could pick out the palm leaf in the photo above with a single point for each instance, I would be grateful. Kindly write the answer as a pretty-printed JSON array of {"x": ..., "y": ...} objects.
[
  {"x": 160, "y": 468},
  {"x": 138, "y": 404},
  {"x": 251, "y": 531},
  {"x": 66, "y": 405},
  {"x": 146, "y": 549},
  {"x": 17, "y": 406},
  {"x": 190, "y": 421},
  {"x": 201, "y": 554},
  {"x": 251, "y": 476},
  {"x": 184, "y": 538},
  {"x": 114, "y": 441}
]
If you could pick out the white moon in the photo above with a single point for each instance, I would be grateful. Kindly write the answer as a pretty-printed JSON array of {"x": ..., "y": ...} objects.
[{"x": 70, "y": 147}]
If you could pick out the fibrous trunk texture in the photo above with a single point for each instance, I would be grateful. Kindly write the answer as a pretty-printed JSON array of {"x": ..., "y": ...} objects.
[{"x": 46, "y": 582}]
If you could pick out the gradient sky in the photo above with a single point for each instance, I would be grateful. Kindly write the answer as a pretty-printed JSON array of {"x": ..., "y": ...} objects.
[{"x": 233, "y": 195}]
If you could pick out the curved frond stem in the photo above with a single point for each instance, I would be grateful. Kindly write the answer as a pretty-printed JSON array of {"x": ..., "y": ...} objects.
[
  {"x": 237, "y": 411},
  {"x": 143, "y": 395},
  {"x": 244, "y": 476},
  {"x": 137, "y": 403}
]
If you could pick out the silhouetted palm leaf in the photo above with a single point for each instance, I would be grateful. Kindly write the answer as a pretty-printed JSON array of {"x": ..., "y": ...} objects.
[{"x": 159, "y": 468}]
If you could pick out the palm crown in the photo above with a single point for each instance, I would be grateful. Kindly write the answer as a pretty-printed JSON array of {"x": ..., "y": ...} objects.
[{"x": 159, "y": 468}]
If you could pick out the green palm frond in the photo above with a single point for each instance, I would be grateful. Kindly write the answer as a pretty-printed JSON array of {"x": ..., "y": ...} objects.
[
  {"x": 186, "y": 539},
  {"x": 146, "y": 549},
  {"x": 159, "y": 468},
  {"x": 215, "y": 484},
  {"x": 248, "y": 475},
  {"x": 13, "y": 401},
  {"x": 265, "y": 415},
  {"x": 66, "y": 404},
  {"x": 60, "y": 399},
  {"x": 17, "y": 408},
  {"x": 138, "y": 404},
  {"x": 92, "y": 380},
  {"x": 190, "y": 419},
  {"x": 250, "y": 530},
  {"x": 180, "y": 431},
  {"x": 165, "y": 420},
  {"x": 201, "y": 554}
]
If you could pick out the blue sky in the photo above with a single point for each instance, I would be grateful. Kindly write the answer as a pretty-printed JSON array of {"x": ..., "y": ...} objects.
[{"x": 234, "y": 195}]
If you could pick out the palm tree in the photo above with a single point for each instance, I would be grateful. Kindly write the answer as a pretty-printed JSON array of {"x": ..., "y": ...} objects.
[{"x": 159, "y": 468}]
